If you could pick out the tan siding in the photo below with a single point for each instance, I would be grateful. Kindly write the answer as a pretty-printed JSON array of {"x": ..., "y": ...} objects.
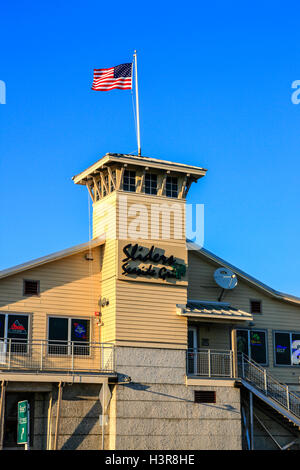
[
  {"x": 147, "y": 202},
  {"x": 68, "y": 287},
  {"x": 108, "y": 287},
  {"x": 277, "y": 314},
  {"x": 104, "y": 217},
  {"x": 142, "y": 315},
  {"x": 137, "y": 311}
]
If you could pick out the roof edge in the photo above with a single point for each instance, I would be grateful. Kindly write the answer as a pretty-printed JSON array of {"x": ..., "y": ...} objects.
[
  {"x": 52, "y": 257},
  {"x": 252, "y": 280},
  {"x": 138, "y": 160}
]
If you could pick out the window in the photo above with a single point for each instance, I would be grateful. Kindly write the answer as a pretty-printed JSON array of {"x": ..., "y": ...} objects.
[
  {"x": 253, "y": 344},
  {"x": 287, "y": 348},
  {"x": 255, "y": 306},
  {"x": 150, "y": 183},
  {"x": 31, "y": 287},
  {"x": 14, "y": 333},
  {"x": 129, "y": 181},
  {"x": 172, "y": 186},
  {"x": 68, "y": 336}
]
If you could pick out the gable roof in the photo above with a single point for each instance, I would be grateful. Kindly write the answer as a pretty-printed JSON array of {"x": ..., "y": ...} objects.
[
  {"x": 52, "y": 257},
  {"x": 202, "y": 252}
]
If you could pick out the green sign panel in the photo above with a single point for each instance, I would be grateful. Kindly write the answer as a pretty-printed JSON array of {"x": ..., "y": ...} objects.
[{"x": 23, "y": 422}]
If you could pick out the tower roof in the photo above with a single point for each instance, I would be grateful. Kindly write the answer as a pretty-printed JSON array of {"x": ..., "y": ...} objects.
[{"x": 113, "y": 158}]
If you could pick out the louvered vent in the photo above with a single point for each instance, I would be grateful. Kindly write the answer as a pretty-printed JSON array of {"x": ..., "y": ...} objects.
[
  {"x": 205, "y": 396},
  {"x": 31, "y": 287},
  {"x": 255, "y": 306}
]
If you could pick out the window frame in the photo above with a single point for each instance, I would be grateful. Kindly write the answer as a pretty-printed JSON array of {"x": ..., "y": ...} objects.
[
  {"x": 290, "y": 333},
  {"x": 150, "y": 175},
  {"x": 265, "y": 331},
  {"x": 171, "y": 189},
  {"x": 6, "y": 340},
  {"x": 68, "y": 341},
  {"x": 191, "y": 362},
  {"x": 130, "y": 178}
]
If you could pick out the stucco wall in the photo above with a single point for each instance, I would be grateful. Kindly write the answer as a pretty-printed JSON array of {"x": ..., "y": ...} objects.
[{"x": 156, "y": 410}]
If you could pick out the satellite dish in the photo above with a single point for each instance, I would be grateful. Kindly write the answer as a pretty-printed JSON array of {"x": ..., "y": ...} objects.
[{"x": 225, "y": 278}]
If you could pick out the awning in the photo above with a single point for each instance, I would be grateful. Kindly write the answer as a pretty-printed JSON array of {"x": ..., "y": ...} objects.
[{"x": 212, "y": 310}]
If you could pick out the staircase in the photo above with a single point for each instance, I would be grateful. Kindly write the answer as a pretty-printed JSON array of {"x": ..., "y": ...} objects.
[{"x": 275, "y": 394}]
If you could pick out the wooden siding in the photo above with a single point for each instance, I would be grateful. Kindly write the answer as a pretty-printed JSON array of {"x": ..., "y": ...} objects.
[
  {"x": 276, "y": 314},
  {"x": 139, "y": 313},
  {"x": 104, "y": 217},
  {"x": 108, "y": 289},
  {"x": 68, "y": 287},
  {"x": 146, "y": 314},
  {"x": 156, "y": 209}
]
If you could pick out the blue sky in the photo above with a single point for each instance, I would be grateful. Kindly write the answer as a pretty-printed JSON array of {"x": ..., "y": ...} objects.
[{"x": 215, "y": 91}]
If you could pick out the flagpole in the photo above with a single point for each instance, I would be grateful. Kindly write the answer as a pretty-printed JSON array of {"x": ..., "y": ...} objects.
[{"x": 137, "y": 105}]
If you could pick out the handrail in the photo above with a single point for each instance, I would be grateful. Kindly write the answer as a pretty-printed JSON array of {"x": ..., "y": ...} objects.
[
  {"x": 219, "y": 363},
  {"x": 21, "y": 340},
  {"x": 261, "y": 379}
]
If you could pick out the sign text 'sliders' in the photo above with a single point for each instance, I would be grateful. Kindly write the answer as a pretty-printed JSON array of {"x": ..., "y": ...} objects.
[{"x": 171, "y": 267}]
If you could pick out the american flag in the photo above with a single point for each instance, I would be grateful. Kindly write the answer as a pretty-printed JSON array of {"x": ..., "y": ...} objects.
[{"x": 119, "y": 77}]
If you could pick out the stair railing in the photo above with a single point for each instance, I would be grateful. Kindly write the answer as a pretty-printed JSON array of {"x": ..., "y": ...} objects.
[{"x": 262, "y": 380}]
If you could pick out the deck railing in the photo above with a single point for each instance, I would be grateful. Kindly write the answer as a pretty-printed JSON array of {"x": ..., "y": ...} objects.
[
  {"x": 46, "y": 355},
  {"x": 210, "y": 363}
]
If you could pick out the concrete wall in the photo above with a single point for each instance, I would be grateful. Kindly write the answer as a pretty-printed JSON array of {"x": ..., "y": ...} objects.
[
  {"x": 79, "y": 418},
  {"x": 79, "y": 427},
  {"x": 156, "y": 410}
]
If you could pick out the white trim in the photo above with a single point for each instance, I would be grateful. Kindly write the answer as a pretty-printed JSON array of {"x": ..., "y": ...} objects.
[
  {"x": 52, "y": 257},
  {"x": 214, "y": 382},
  {"x": 142, "y": 161},
  {"x": 207, "y": 254}
]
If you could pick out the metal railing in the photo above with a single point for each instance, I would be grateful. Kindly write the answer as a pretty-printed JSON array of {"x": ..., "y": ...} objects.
[
  {"x": 210, "y": 363},
  {"x": 219, "y": 363},
  {"x": 260, "y": 378},
  {"x": 46, "y": 355}
]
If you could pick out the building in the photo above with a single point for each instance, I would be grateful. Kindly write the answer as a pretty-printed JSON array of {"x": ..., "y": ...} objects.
[{"x": 127, "y": 341}]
